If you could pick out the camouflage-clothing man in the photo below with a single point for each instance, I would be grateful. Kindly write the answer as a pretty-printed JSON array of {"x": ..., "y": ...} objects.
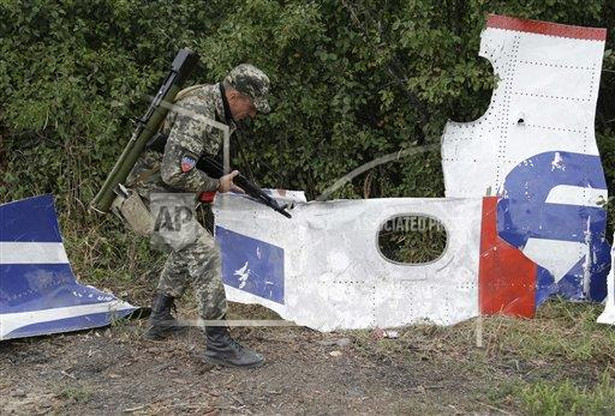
[{"x": 242, "y": 94}]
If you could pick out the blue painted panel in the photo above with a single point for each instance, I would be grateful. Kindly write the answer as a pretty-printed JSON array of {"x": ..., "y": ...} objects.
[
  {"x": 43, "y": 287},
  {"x": 252, "y": 265},
  {"x": 22, "y": 284},
  {"x": 545, "y": 285},
  {"x": 523, "y": 214},
  {"x": 93, "y": 320},
  {"x": 28, "y": 220}
]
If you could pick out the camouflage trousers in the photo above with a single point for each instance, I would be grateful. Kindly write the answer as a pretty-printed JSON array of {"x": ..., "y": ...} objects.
[{"x": 197, "y": 265}]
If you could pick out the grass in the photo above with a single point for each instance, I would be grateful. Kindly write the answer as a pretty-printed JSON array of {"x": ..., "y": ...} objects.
[
  {"x": 75, "y": 393},
  {"x": 560, "y": 362},
  {"x": 106, "y": 255},
  {"x": 567, "y": 398},
  {"x": 560, "y": 330}
]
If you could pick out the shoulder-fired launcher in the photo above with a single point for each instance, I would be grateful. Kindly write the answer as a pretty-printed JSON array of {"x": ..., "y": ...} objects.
[{"x": 183, "y": 65}]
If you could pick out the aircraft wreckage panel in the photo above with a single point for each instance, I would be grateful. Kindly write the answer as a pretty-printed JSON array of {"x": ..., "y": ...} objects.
[
  {"x": 535, "y": 148},
  {"x": 327, "y": 272},
  {"x": 543, "y": 231},
  {"x": 39, "y": 294}
]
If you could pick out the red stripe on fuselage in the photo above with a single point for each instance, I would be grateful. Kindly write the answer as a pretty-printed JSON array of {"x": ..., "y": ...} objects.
[
  {"x": 507, "y": 279},
  {"x": 545, "y": 28}
]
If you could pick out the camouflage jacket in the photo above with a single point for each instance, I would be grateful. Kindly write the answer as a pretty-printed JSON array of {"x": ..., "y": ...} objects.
[{"x": 188, "y": 138}]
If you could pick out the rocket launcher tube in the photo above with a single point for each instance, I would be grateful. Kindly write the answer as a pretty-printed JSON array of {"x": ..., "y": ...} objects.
[{"x": 183, "y": 65}]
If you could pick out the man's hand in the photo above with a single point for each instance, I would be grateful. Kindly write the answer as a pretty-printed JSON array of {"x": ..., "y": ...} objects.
[{"x": 226, "y": 182}]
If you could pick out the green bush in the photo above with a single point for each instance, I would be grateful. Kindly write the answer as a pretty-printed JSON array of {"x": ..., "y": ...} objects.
[{"x": 352, "y": 81}]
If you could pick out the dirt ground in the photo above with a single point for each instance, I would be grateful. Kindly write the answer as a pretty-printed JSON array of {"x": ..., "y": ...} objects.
[{"x": 428, "y": 370}]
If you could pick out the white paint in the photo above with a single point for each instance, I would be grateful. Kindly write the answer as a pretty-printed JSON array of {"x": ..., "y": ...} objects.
[
  {"x": 575, "y": 195},
  {"x": 588, "y": 258},
  {"x": 335, "y": 276},
  {"x": 540, "y": 251},
  {"x": 12, "y": 321},
  {"x": 243, "y": 274},
  {"x": 32, "y": 253},
  {"x": 550, "y": 82},
  {"x": 558, "y": 162}
]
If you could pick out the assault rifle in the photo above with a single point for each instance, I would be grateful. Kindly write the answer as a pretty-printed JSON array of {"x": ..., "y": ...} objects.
[{"x": 213, "y": 168}]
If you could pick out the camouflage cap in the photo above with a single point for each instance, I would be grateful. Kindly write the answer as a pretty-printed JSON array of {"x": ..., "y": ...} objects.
[{"x": 251, "y": 81}]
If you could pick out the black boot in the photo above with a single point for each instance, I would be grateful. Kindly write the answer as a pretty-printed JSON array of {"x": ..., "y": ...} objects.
[
  {"x": 224, "y": 350},
  {"x": 161, "y": 322}
]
